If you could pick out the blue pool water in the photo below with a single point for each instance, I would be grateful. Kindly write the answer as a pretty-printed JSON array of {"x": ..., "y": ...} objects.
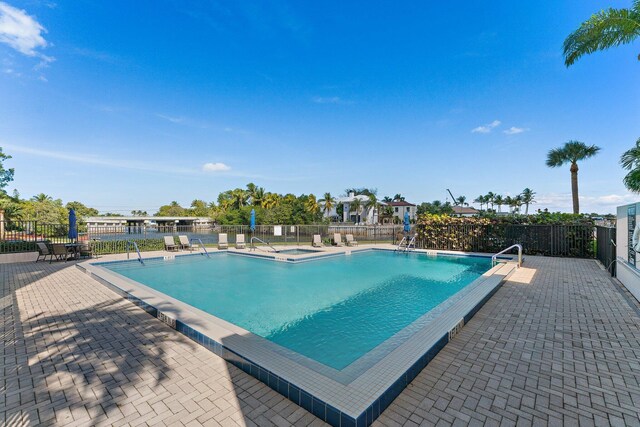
[
  {"x": 331, "y": 310},
  {"x": 297, "y": 251}
]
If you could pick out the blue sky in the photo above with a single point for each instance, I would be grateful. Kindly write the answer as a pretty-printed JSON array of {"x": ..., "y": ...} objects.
[{"x": 129, "y": 105}]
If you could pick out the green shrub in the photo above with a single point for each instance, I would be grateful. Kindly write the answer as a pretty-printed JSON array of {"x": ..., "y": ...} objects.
[{"x": 104, "y": 247}]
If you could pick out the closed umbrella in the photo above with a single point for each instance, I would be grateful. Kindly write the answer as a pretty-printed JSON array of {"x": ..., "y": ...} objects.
[
  {"x": 252, "y": 221},
  {"x": 73, "y": 225},
  {"x": 407, "y": 223}
]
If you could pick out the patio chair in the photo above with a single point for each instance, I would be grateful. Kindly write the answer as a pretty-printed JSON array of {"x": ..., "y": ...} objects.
[
  {"x": 317, "y": 241},
  {"x": 240, "y": 243},
  {"x": 223, "y": 243},
  {"x": 350, "y": 241},
  {"x": 337, "y": 239},
  {"x": 59, "y": 252},
  {"x": 43, "y": 251},
  {"x": 170, "y": 244},
  {"x": 184, "y": 243},
  {"x": 85, "y": 250}
]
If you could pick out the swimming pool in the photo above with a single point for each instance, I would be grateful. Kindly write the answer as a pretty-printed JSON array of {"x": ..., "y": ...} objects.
[
  {"x": 297, "y": 251},
  {"x": 341, "y": 334}
]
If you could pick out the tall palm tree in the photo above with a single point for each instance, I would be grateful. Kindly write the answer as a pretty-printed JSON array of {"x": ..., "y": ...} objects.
[
  {"x": 499, "y": 201},
  {"x": 239, "y": 197},
  {"x": 372, "y": 204},
  {"x": 462, "y": 201},
  {"x": 605, "y": 29},
  {"x": 356, "y": 205},
  {"x": 630, "y": 160},
  {"x": 270, "y": 201},
  {"x": 509, "y": 202},
  {"x": 488, "y": 199},
  {"x": 40, "y": 198},
  {"x": 312, "y": 206},
  {"x": 480, "y": 199},
  {"x": 387, "y": 199},
  {"x": 572, "y": 152},
  {"x": 328, "y": 202},
  {"x": 398, "y": 198},
  {"x": 528, "y": 197}
]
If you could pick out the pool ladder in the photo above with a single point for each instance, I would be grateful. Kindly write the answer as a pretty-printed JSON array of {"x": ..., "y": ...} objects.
[
  {"x": 406, "y": 245},
  {"x": 202, "y": 246},
  {"x": 494, "y": 258},
  {"x": 252, "y": 246},
  {"x": 135, "y": 246}
]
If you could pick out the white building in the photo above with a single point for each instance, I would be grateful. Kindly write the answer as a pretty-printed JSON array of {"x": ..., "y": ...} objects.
[
  {"x": 366, "y": 215},
  {"x": 400, "y": 207}
]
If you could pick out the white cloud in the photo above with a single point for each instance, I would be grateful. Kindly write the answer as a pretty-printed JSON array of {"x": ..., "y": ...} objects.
[
  {"x": 486, "y": 128},
  {"x": 215, "y": 167},
  {"x": 172, "y": 119},
  {"x": 514, "y": 130},
  {"x": 331, "y": 100},
  {"x": 22, "y": 32}
]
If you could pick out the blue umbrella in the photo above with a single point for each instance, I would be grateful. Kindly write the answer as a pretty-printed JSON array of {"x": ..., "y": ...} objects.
[
  {"x": 73, "y": 226},
  {"x": 252, "y": 221},
  {"x": 407, "y": 224}
]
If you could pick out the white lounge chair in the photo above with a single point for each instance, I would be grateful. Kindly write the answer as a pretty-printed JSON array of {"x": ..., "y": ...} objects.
[
  {"x": 223, "y": 243},
  {"x": 317, "y": 241},
  {"x": 184, "y": 243},
  {"x": 337, "y": 239},
  {"x": 170, "y": 244},
  {"x": 350, "y": 241},
  {"x": 240, "y": 243}
]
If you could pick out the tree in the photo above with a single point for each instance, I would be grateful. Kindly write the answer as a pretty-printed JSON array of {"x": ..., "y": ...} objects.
[
  {"x": 499, "y": 201},
  {"x": 81, "y": 210},
  {"x": 356, "y": 205},
  {"x": 6, "y": 175},
  {"x": 172, "y": 209},
  {"x": 328, "y": 202},
  {"x": 489, "y": 199},
  {"x": 630, "y": 160},
  {"x": 372, "y": 204},
  {"x": 270, "y": 201},
  {"x": 387, "y": 199},
  {"x": 41, "y": 198},
  {"x": 572, "y": 152},
  {"x": 138, "y": 212},
  {"x": 462, "y": 201},
  {"x": 527, "y": 197},
  {"x": 199, "y": 208},
  {"x": 509, "y": 202},
  {"x": 481, "y": 200},
  {"x": 398, "y": 198},
  {"x": 605, "y": 29},
  {"x": 311, "y": 205},
  {"x": 239, "y": 197}
]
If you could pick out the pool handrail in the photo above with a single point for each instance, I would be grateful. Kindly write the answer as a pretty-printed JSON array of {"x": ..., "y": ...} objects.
[
  {"x": 254, "y": 247},
  {"x": 201, "y": 245},
  {"x": 135, "y": 246},
  {"x": 494, "y": 258}
]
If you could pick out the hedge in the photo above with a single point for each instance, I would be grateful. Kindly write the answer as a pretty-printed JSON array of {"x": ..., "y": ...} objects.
[{"x": 104, "y": 247}]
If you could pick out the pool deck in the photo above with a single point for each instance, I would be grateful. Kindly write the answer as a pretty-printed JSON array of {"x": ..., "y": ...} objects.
[{"x": 559, "y": 343}]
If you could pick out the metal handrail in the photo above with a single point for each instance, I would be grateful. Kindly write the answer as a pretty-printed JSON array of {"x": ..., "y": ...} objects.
[
  {"x": 254, "y": 247},
  {"x": 135, "y": 246},
  {"x": 202, "y": 246},
  {"x": 408, "y": 245},
  {"x": 517, "y": 245},
  {"x": 401, "y": 242}
]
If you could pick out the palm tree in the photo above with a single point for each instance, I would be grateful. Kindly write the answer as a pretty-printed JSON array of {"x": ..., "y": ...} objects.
[
  {"x": 398, "y": 198},
  {"x": 630, "y": 160},
  {"x": 528, "y": 197},
  {"x": 312, "y": 206},
  {"x": 462, "y": 201},
  {"x": 239, "y": 197},
  {"x": 387, "y": 199},
  {"x": 509, "y": 202},
  {"x": 480, "y": 199},
  {"x": 488, "y": 199},
  {"x": 270, "y": 201},
  {"x": 41, "y": 198},
  {"x": 356, "y": 205},
  {"x": 572, "y": 152},
  {"x": 371, "y": 204},
  {"x": 499, "y": 201},
  {"x": 328, "y": 202},
  {"x": 605, "y": 29},
  {"x": 517, "y": 202}
]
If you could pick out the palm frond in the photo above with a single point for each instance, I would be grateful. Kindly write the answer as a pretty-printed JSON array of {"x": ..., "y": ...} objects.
[
  {"x": 556, "y": 158},
  {"x": 632, "y": 180},
  {"x": 631, "y": 157},
  {"x": 605, "y": 29}
]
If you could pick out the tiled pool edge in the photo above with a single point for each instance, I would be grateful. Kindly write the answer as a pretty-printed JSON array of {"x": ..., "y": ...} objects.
[{"x": 319, "y": 408}]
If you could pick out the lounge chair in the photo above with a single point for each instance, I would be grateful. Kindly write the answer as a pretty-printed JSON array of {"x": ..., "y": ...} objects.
[
  {"x": 184, "y": 243},
  {"x": 59, "y": 252},
  {"x": 350, "y": 241},
  {"x": 43, "y": 251},
  {"x": 317, "y": 241},
  {"x": 240, "y": 244},
  {"x": 337, "y": 239},
  {"x": 170, "y": 244},
  {"x": 223, "y": 243}
]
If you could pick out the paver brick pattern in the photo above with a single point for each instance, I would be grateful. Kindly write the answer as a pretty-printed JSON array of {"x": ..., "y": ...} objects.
[{"x": 558, "y": 344}]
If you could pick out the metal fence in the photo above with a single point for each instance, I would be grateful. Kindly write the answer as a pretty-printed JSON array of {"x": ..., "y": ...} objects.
[
  {"x": 606, "y": 247},
  {"x": 550, "y": 240},
  {"x": 21, "y": 236}
]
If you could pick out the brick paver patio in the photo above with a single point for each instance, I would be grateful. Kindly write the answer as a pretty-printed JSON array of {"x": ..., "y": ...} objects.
[{"x": 557, "y": 344}]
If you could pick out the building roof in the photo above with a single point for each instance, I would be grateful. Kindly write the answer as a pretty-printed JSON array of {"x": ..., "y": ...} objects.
[
  {"x": 399, "y": 203},
  {"x": 462, "y": 210}
]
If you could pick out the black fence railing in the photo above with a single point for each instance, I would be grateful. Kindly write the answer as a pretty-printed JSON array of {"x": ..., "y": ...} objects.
[
  {"x": 21, "y": 236},
  {"x": 550, "y": 240},
  {"x": 606, "y": 247}
]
